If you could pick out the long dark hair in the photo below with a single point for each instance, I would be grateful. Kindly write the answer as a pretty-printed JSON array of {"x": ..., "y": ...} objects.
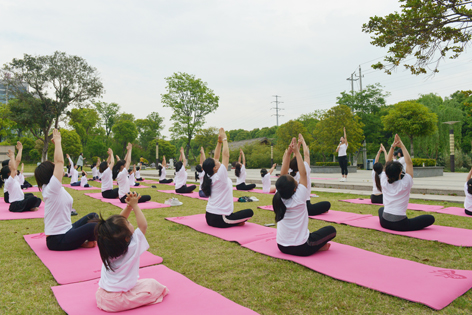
[
  {"x": 378, "y": 168},
  {"x": 116, "y": 168},
  {"x": 160, "y": 170},
  {"x": 5, "y": 172},
  {"x": 178, "y": 166},
  {"x": 208, "y": 166},
  {"x": 285, "y": 189},
  {"x": 393, "y": 169},
  {"x": 469, "y": 186},
  {"x": 237, "y": 169},
  {"x": 263, "y": 172},
  {"x": 43, "y": 173},
  {"x": 294, "y": 166},
  {"x": 199, "y": 168},
  {"x": 113, "y": 237},
  {"x": 103, "y": 166}
]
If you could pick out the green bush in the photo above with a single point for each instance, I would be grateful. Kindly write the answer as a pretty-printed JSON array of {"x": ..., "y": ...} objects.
[
  {"x": 427, "y": 162},
  {"x": 35, "y": 155},
  {"x": 329, "y": 163}
]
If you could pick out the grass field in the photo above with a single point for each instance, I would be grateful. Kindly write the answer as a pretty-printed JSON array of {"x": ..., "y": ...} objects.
[{"x": 261, "y": 283}]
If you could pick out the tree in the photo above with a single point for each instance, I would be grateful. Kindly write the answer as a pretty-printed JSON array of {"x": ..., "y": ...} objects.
[
  {"x": 83, "y": 120},
  {"x": 108, "y": 113},
  {"x": 330, "y": 129},
  {"x": 149, "y": 128},
  {"x": 428, "y": 30},
  {"x": 6, "y": 124},
  {"x": 207, "y": 138},
  {"x": 191, "y": 100},
  {"x": 124, "y": 131},
  {"x": 69, "y": 79},
  {"x": 285, "y": 133},
  {"x": 71, "y": 144},
  {"x": 411, "y": 119},
  {"x": 165, "y": 149},
  {"x": 310, "y": 120}
]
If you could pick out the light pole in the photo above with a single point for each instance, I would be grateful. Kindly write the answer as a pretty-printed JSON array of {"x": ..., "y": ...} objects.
[
  {"x": 271, "y": 155},
  {"x": 451, "y": 141},
  {"x": 157, "y": 153}
]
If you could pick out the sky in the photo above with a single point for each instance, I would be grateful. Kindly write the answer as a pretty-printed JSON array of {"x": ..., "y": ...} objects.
[{"x": 246, "y": 52}]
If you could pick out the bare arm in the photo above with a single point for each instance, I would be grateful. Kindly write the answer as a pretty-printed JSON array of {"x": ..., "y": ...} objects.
[
  {"x": 117, "y": 157},
  {"x": 301, "y": 165},
  {"x": 22, "y": 168},
  {"x": 98, "y": 163},
  {"x": 202, "y": 156},
  {"x": 12, "y": 163},
  {"x": 244, "y": 157},
  {"x": 132, "y": 201},
  {"x": 225, "y": 159},
  {"x": 286, "y": 161},
  {"x": 469, "y": 175},
  {"x": 377, "y": 157},
  {"x": 306, "y": 150},
  {"x": 221, "y": 136},
  {"x": 70, "y": 161},
  {"x": 164, "y": 164},
  {"x": 390, "y": 153},
  {"x": 273, "y": 168},
  {"x": 345, "y": 137},
  {"x": 128, "y": 156},
  {"x": 111, "y": 159},
  {"x": 384, "y": 151},
  {"x": 19, "y": 147},
  {"x": 58, "y": 155},
  {"x": 182, "y": 157},
  {"x": 406, "y": 156}
]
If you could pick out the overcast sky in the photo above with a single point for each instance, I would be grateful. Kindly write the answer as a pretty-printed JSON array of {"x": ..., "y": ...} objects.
[{"x": 247, "y": 51}]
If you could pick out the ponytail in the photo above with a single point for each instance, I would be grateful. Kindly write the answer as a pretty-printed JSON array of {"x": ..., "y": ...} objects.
[
  {"x": 208, "y": 166},
  {"x": 206, "y": 185},
  {"x": 378, "y": 168},
  {"x": 393, "y": 170},
  {"x": 237, "y": 170},
  {"x": 279, "y": 207},
  {"x": 160, "y": 170},
  {"x": 293, "y": 166}
]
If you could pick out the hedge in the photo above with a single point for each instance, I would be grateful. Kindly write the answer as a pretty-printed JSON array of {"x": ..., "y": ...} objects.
[
  {"x": 329, "y": 163},
  {"x": 427, "y": 162}
]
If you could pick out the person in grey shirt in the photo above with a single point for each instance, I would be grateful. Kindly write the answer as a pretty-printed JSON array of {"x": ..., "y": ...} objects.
[{"x": 80, "y": 161}]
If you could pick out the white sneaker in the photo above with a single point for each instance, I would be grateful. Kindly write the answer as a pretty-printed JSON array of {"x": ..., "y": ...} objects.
[
  {"x": 253, "y": 198},
  {"x": 345, "y": 179},
  {"x": 173, "y": 202},
  {"x": 342, "y": 179}
]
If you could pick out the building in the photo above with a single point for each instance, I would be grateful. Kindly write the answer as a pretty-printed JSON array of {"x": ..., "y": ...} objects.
[{"x": 5, "y": 94}]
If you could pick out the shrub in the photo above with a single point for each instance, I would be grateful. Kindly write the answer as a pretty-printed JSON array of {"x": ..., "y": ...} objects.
[
  {"x": 329, "y": 163},
  {"x": 35, "y": 155},
  {"x": 427, "y": 162}
]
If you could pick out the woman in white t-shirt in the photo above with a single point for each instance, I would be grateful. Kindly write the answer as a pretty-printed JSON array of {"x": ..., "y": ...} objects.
[
  {"x": 61, "y": 234},
  {"x": 162, "y": 172},
  {"x": 291, "y": 215},
  {"x": 399, "y": 157},
  {"x": 180, "y": 178},
  {"x": 319, "y": 207},
  {"x": 200, "y": 172},
  {"x": 74, "y": 174},
  {"x": 95, "y": 167},
  {"x": 266, "y": 187},
  {"x": 106, "y": 169},
  {"x": 342, "y": 155},
  {"x": 396, "y": 194},
  {"x": 131, "y": 177},
  {"x": 19, "y": 202},
  {"x": 120, "y": 247},
  {"x": 219, "y": 188},
  {"x": 21, "y": 178},
  {"x": 240, "y": 172},
  {"x": 468, "y": 194},
  {"x": 120, "y": 173},
  {"x": 376, "y": 196},
  {"x": 138, "y": 174}
]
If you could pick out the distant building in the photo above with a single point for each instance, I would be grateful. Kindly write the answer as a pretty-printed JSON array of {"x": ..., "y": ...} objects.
[{"x": 5, "y": 94}]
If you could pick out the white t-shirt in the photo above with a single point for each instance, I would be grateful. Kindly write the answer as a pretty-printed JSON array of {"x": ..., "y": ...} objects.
[
  {"x": 242, "y": 176},
  {"x": 20, "y": 178},
  {"x": 107, "y": 180},
  {"x": 163, "y": 174},
  {"x": 292, "y": 230},
  {"x": 132, "y": 181},
  {"x": 138, "y": 175},
  {"x": 342, "y": 149},
  {"x": 221, "y": 199},
  {"x": 266, "y": 183},
  {"x": 200, "y": 177},
  {"x": 57, "y": 208},
  {"x": 375, "y": 191},
  {"x": 100, "y": 175},
  {"x": 14, "y": 190},
  {"x": 83, "y": 181},
  {"x": 94, "y": 171},
  {"x": 396, "y": 195},
  {"x": 126, "y": 267},
  {"x": 180, "y": 178},
  {"x": 308, "y": 179},
  {"x": 5, "y": 188},
  {"x": 468, "y": 199},
  {"x": 74, "y": 175},
  {"x": 123, "y": 183},
  {"x": 402, "y": 161}
]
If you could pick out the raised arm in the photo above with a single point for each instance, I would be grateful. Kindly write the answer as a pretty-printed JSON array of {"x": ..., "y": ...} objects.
[
  {"x": 164, "y": 163},
  {"x": 244, "y": 157},
  {"x": 286, "y": 160},
  {"x": 225, "y": 158},
  {"x": 111, "y": 159},
  {"x": 221, "y": 136},
  {"x": 469, "y": 175},
  {"x": 117, "y": 157},
  {"x": 12, "y": 163},
  {"x": 132, "y": 201},
  {"x": 390, "y": 153},
  {"x": 70, "y": 161},
  {"x": 240, "y": 153},
  {"x": 377, "y": 157},
  {"x": 345, "y": 137},
  {"x": 22, "y": 168},
  {"x": 406, "y": 156},
  {"x": 306, "y": 150},
  {"x": 202, "y": 156},
  {"x": 384, "y": 151},
  {"x": 19, "y": 147},
  {"x": 98, "y": 163},
  {"x": 134, "y": 168},
  {"x": 301, "y": 165},
  {"x": 182, "y": 156},
  {"x": 273, "y": 168},
  {"x": 128, "y": 155},
  {"x": 58, "y": 155}
]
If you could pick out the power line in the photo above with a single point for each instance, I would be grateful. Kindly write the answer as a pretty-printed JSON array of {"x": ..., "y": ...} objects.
[{"x": 277, "y": 102}]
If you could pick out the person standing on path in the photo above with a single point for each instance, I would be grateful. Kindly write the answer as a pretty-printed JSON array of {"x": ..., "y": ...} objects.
[
  {"x": 342, "y": 156},
  {"x": 80, "y": 161}
]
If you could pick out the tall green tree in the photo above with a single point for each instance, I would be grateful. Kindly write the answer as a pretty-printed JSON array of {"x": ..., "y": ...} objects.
[
  {"x": 71, "y": 145},
  {"x": 285, "y": 133},
  {"x": 55, "y": 82},
  {"x": 166, "y": 149},
  {"x": 108, "y": 113},
  {"x": 124, "y": 131},
  {"x": 428, "y": 30},
  {"x": 149, "y": 128},
  {"x": 330, "y": 129},
  {"x": 207, "y": 138},
  {"x": 83, "y": 120},
  {"x": 191, "y": 101},
  {"x": 412, "y": 119}
]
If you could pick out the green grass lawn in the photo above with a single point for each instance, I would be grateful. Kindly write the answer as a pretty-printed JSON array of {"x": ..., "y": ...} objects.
[{"x": 264, "y": 284}]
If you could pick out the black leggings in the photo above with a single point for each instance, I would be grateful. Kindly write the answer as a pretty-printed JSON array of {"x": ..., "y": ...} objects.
[
  {"x": 143, "y": 198},
  {"x": 376, "y": 198},
  {"x": 26, "y": 185},
  {"x": 415, "y": 224},
  {"x": 166, "y": 181},
  {"x": 186, "y": 189},
  {"x": 110, "y": 194},
  {"x": 6, "y": 197},
  {"x": 30, "y": 202},
  {"x": 315, "y": 241},
  {"x": 468, "y": 212},
  {"x": 243, "y": 186},
  {"x": 343, "y": 163},
  {"x": 317, "y": 208},
  {"x": 226, "y": 221},
  {"x": 81, "y": 231}
]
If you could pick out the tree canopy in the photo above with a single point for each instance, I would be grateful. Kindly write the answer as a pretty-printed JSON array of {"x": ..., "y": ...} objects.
[
  {"x": 428, "y": 30},
  {"x": 108, "y": 113}
]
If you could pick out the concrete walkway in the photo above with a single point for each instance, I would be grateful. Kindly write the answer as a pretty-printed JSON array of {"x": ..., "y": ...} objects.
[{"x": 449, "y": 187}]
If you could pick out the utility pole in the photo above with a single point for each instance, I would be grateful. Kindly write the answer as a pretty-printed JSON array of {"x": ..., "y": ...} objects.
[
  {"x": 352, "y": 82},
  {"x": 277, "y": 102},
  {"x": 360, "y": 77}
]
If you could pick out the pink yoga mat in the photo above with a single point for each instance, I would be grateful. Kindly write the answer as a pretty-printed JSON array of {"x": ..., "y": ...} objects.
[
  {"x": 76, "y": 265},
  {"x": 149, "y": 181},
  {"x": 31, "y": 190},
  {"x": 185, "y": 297},
  {"x": 454, "y": 211},
  {"x": 5, "y": 214},
  {"x": 432, "y": 286},
  {"x": 331, "y": 216},
  {"x": 411, "y": 206},
  {"x": 258, "y": 191},
  {"x": 140, "y": 186},
  {"x": 118, "y": 203},
  {"x": 80, "y": 187},
  {"x": 191, "y": 195},
  {"x": 249, "y": 232}
]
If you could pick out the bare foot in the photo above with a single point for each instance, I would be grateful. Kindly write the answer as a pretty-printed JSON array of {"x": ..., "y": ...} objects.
[
  {"x": 324, "y": 248},
  {"x": 34, "y": 209},
  {"x": 241, "y": 224},
  {"x": 89, "y": 244}
]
